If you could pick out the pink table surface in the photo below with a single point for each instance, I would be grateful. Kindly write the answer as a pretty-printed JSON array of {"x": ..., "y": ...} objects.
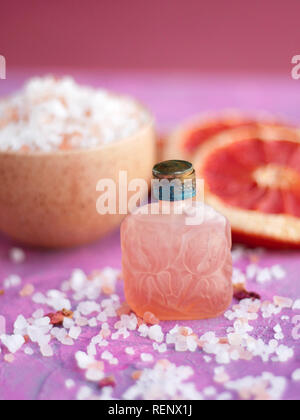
[{"x": 171, "y": 97}]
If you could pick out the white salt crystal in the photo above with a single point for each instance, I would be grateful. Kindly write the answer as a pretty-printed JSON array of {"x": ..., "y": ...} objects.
[
  {"x": 251, "y": 271},
  {"x": 38, "y": 314},
  {"x": 12, "y": 342},
  {"x": 88, "y": 307},
  {"x": 12, "y": 281},
  {"x": 83, "y": 360},
  {"x": 225, "y": 396},
  {"x": 283, "y": 302},
  {"x": 146, "y": 357},
  {"x": 296, "y": 375},
  {"x": 209, "y": 391},
  {"x": 68, "y": 323},
  {"x": 284, "y": 353},
  {"x": 78, "y": 280},
  {"x": 278, "y": 272},
  {"x": 143, "y": 330},
  {"x": 277, "y": 328},
  {"x": 106, "y": 355},
  {"x": 74, "y": 332},
  {"x": 39, "y": 298},
  {"x": 129, "y": 350},
  {"x": 49, "y": 108},
  {"x": 69, "y": 383},
  {"x": 102, "y": 317},
  {"x": 93, "y": 322},
  {"x": 155, "y": 333},
  {"x": 264, "y": 276},
  {"x": 84, "y": 393},
  {"x": 296, "y": 305},
  {"x": 161, "y": 348}
]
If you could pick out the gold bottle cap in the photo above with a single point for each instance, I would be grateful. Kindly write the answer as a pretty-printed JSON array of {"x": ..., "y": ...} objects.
[{"x": 175, "y": 180}]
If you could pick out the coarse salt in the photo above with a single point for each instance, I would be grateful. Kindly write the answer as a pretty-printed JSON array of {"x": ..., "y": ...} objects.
[{"x": 50, "y": 114}]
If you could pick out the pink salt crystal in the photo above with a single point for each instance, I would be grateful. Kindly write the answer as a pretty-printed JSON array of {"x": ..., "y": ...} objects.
[
  {"x": 27, "y": 290},
  {"x": 124, "y": 309},
  {"x": 221, "y": 376},
  {"x": 246, "y": 355},
  {"x": 283, "y": 302},
  {"x": 9, "y": 358},
  {"x": 150, "y": 318},
  {"x": 2, "y": 325}
]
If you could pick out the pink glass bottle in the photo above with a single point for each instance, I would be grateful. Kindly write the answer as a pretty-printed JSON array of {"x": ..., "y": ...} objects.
[{"x": 177, "y": 262}]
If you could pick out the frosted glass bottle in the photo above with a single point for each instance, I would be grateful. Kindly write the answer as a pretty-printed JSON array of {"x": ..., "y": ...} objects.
[{"x": 177, "y": 262}]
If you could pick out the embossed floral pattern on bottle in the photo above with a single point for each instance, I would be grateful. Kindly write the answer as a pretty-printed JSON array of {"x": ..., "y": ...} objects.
[{"x": 174, "y": 270}]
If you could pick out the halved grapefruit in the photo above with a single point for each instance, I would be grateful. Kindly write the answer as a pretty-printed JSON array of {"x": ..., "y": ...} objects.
[
  {"x": 184, "y": 142},
  {"x": 252, "y": 176}
]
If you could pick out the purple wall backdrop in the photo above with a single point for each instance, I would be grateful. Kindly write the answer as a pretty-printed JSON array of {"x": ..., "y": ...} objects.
[{"x": 211, "y": 35}]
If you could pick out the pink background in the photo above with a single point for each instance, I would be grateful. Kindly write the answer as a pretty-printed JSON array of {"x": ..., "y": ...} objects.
[{"x": 214, "y": 35}]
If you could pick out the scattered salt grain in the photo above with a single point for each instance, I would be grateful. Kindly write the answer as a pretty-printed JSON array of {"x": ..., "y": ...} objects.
[
  {"x": 69, "y": 383},
  {"x": 296, "y": 305},
  {"x": 283, "y": 302},
  {"x": 88, "y": 307},
  {"x": 220, "y": 375},
  {"x": 161, "y": 348},
  {"x": 146, "y": 357},
  {"x": 49, "y": 109},
  {"x": 28, "y": 351},
  {"x": 209, "y": 391},
  {"x": 17, "y": 255},
  {"x": 278, "y": 272},
  {"x": 106, "y": 355},
  {"x": 46, "y": 350},
  {"x": 83, "y": 360},
  {"x": 165, "y": 381},
  {"x": 264, "y": 276},
  {"x": 2, "y": 325},
  {"x": 224, "y": 396},
  {"x": 264, "y": 387},
  {"x": 296, "y": 375},
  {"x": 84, "y": 393},
  {"x": 143, "y": 330},
  {"x": 9, "y": 358},
  {"x": 27, "y": 290},
  {"x": 155, "y": 333},
  {"x": 12, "y": 342},
  {"x": 130, "y": 351},
  {"x": 93, "y": 322},
  {"x": 74, "y": 332},
  {"x": 12, "y": 281}
]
